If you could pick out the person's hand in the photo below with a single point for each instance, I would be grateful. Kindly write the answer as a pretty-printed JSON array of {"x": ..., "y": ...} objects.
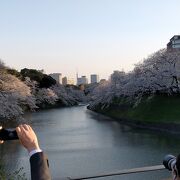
[
  {"x": 27, "y": 137},
  {"x": 1, "y": 140}
]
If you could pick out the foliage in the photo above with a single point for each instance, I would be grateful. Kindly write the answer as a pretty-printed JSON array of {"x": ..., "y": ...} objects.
[
  {"x": 9, "y": 106},
  {"x": 47, "y": 81},
  {"x": 63, "y": 96},
  {"x": 76, "y": 94},
  {"x": 33, "y": 74},
  {"x": 14, "y": 72},
  {"x": 46, "y": 96},
  {"x": 152, "y": 110},
  {"x": 43, "y": 80},
  {"x": 14, "y": 95},
  {"x": 158, "y": 74},
  {"x": 16, "y": 175}
]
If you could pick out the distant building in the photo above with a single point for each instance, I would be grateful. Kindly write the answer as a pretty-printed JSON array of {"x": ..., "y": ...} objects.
[
  {"x": 82, "y": 80},
  {"x": 174, "y": 42},
  {"x": 57, "y": 77},
  {"x": 94, "y": 78},
  {"x": 67, "y": 81},
  {"x": 79, "y": 81},
  {"x": 64, "y": 80}
]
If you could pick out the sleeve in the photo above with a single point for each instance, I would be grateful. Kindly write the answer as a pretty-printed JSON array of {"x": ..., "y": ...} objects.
[{"x": 39, "y": 167}]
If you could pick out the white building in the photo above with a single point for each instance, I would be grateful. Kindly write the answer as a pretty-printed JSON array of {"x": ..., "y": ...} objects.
[
  {"x": 82, "y": 80},
  {"x": 94, "y": 78},
  {"x": 57, "y": 77},
  {"x": 66, "y": 81},
  {"x": 174, "y": 42}
]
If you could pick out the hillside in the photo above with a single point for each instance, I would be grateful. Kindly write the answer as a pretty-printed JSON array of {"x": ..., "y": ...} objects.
[{"x": 159, "y": 109}]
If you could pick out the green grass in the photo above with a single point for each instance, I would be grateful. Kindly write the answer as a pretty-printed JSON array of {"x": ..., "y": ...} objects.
[{"x": 160, "y": 109}]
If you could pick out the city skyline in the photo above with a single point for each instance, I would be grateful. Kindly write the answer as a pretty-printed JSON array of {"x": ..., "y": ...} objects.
[
  {"x": 62, "y": 79},
  {"x": 93, "y": 36}
]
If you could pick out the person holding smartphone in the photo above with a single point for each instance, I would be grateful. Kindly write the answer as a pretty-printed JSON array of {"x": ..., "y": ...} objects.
[{"x": 38, "y": 160}]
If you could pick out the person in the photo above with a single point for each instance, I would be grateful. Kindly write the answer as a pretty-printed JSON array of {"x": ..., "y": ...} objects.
[
  {"x": 38, "y": 160},
  {"x": 176, "y": 170}
]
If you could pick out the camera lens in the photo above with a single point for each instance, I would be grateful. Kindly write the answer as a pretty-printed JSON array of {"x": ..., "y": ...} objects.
[{"x": 169, "y": 162}]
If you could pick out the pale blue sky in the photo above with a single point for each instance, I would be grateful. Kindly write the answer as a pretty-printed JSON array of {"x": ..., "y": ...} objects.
[{"x": 93, "y": 36}]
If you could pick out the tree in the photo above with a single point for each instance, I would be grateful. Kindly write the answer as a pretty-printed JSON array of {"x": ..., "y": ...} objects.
[
  {"x": 159, "y": 73},
  {"x": 14, "y": 97},
  {"x": 64, "y": 97},
  {"x": 46, "y": 96},
  {"x": 9, "y": 106},
  {"x": 47, "y": 81},
  {"x": 14, "y": 72},
  {"x": 43, "y": 80},
  {"x": 33, "y": 74}
]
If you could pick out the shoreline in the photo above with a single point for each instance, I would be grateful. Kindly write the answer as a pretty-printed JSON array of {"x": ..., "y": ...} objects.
[{"x": 170, "y": 128}]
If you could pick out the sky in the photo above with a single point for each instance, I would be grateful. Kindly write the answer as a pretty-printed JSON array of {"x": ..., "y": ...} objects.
[{"x": 88, "y": 36}]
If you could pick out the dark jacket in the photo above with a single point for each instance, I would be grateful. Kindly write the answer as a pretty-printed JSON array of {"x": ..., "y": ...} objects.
[{"x": 39, "y": 167}]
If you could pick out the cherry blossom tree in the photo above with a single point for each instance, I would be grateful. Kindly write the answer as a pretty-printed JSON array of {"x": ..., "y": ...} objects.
[
  {"x": 159, "y": 73},
  {"x": 46, "y": 96},
  {"x": 64, "y": 96},
  {"x": 76, "y": 94},
  {"x": 15, "y": 96},
  {"x": 9, "y": 104}
]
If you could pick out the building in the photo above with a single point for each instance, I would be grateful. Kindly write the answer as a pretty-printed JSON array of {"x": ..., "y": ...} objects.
[
  {"x": 57, "y": 77},
  {"x": 94, "y": 78},
  {"x": 173, "y": 45},
  {"x": 79, "y": 81},
  {"x": 64, "y": 81},
  {"x": 67, "y": 81},
  {"x": 82, "y": 80},
  {"x": 174, "y": 42}
]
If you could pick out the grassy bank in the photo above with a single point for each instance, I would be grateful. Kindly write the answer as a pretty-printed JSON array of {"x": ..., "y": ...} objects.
[{"x": 159, "y": 109}]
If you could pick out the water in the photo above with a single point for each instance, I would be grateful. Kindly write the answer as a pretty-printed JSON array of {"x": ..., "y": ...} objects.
[{"x": 80, "y": 142}]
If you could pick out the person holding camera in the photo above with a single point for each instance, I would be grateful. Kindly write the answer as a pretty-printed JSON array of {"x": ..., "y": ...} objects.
[
  {"x": 172, "y": 163},
  {"x": 38, "y": 160}
]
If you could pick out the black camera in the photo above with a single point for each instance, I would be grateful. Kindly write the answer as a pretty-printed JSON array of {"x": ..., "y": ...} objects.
[
  {"x": 169, "y": 162},
  {"x": 8, "y": 134}
]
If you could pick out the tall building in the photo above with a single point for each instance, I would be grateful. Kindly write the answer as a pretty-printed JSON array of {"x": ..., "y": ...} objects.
[
  {"x": 94, "y": 78},
  {"x": 174, "y": 42},
  {"x": 57, "y": 77},
  {"x": 82, "y": 80},
  {"x": 66, "y": 81},
  {"x": 79, "y": 81}
]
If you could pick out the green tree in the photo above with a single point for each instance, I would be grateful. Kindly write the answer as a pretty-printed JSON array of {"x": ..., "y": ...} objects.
[
  {"x": 33, "y": 74},
  {"x": 44, "y": 81},
  {"x": 14, "y": 72},
  {"x": 47, "y": 81}
]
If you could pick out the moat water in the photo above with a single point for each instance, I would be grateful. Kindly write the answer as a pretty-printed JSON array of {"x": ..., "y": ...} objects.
[{"x": 80, "y": 142}]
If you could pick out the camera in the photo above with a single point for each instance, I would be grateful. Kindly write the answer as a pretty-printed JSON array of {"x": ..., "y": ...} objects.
[
  {"x": 169, "y": 162},
  {"x": 8, "y": 134}
]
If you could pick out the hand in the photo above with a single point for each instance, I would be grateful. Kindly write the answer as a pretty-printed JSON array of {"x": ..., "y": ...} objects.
[
  {"x": 27, "y": 137},
  {"x": 1, "y": 140}
]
